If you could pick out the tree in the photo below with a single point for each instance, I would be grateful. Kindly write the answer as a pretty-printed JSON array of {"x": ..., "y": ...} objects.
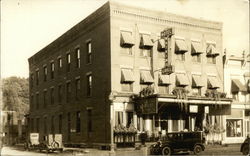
[{"x": 16, "y": 95}]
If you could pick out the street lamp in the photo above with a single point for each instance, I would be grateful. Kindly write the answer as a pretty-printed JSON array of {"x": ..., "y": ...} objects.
[{"x": 112, "y": 97}]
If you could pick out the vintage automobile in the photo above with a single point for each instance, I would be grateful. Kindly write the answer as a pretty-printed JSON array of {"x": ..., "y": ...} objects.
[
  {"x": 179, "y": 141},
  {"x": 245, "y": 146}
]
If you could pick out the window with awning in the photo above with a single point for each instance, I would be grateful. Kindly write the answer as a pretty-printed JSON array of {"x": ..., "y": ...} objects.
[
  {"x": 164, "y": 80},
  {"x": 196, "y": 48},
  {"x": 237, "y": 86},
  {"x": 161, "y": 45},
  {"x": 213, "y": 82},
  {"x": 180, "y": 46},
  {"x": 146, "y": 77},
  {"x": 211, "y": 50},
  {"x": 146, "y": 42},
  {"x": 182, "y": 80},
  {"x": 248, "y": 86},
  {"x": 196, "y": 81},
  {"x": 127, "y": 39},
  {"x": 127, "y": 75}
]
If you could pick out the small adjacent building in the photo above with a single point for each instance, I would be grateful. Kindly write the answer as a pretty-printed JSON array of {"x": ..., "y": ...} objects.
[
  {"x": 126, "y": 66},
  {"x": 237, "y": 86}
]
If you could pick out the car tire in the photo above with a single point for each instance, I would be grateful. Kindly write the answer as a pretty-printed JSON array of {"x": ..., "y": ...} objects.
[
  {"x": 166, "y": 151},
  {"x": 245, "y": 149},
  {"x": 197, "y": 149}
]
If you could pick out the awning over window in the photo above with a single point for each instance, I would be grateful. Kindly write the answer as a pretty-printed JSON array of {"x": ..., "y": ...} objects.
[
  {"x": 127, "y": 75},
  {"x": 146, "y": 41},
  {"x": 196, "y": 81},
  {"x": 211, "y": 50},
  {"x": 161, "y": 45},
  {"x": 182, "y": 80},
  {"x": 164, "y": 79},
  {"x": 213, "y": 82},
  {"x": 237, "y": 86},
  {"x": 127, "y": 39},
  {"x": 180, "y": 46},
  {"x": 196, "y": 48},
  {"x": 146, "y": 77}
]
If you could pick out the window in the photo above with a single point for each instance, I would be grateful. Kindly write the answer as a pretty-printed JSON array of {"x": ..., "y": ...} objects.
[
  {"x": 78, "y": 87},
  {"x": 52, "y": 100},
  {"x": 174, "y": 125},
  {"x": 52, "y": 125},
  {"x": 234, "y": 127},
  {"x": 211, "y": 59},
  {"x": 68, "y": 91},
  {"x": 45, "y": 72},
  {"x": 59, "y": 62},
  {"x": 37, "y": 100},
  {"x": 89, "y": 52},
  {"x": 89, "y": 120},
  {"x": 127, "y": 79},
  {"x": 129, "y": 118},
  {"x": 235, "y": 96},
  {"x": 45, "y": 125},
  {"x": 127, "y": 87},
  {"x": 31, "y": 102},
  {"x": 78, "y": 122},
  {"x": 52, "y": 69},
  {"x": 180, "y": 56},
  {"x": 163, "y": 89},
  {"x": 126, "y": 50},
  {"x": 196, "y": 91},
  {"x": 37, "y": 125},
  {"x": 37, "y": 77},
  {"x": 31, "y": 80},
  {"x": 89, "y": 85},
  {"x": 143, "y": 86},
  {"x": 44, "y": 98},
  {"x": 60, "y": 93},
  {"x": 196, "y": 58},
  {"x": 60, "y": 124},
  {"x": 68, "y": 62},
  {"x": 78, "y": 55},
  {"x": 145, "y": 52}
]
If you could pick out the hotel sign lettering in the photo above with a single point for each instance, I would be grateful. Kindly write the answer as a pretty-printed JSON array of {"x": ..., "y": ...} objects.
[{"x": 149, "y": 105}]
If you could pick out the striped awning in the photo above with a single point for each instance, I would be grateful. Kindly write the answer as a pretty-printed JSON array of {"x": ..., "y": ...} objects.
[
  {"x": 182, "y": 80},
  {"x": 127, "y": 39},
  {"x": 146, "y": 77},
  {"x": 146, "y": 41},
  {"x": 196, "y": 81},
  {"x": 196, "y": 48},
  {"x": 211, "y": 50},
  {"x": 180, "y": 46},
  {"x": 237, "y": 86},
  {"x": 161, "y": 45},
  {"x": 127, "y": 75},
  {"x": 164, "y": 79},
  {"x": 213, "y": 82}
]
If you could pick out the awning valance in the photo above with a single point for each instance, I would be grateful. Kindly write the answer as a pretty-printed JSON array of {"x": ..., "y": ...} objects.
[
  {"x": 182, "y": 80},
  {"x": 213, "y": 82},
  {"x": 237, "y": 86},
  {"x": 196, "y": 48},
  {"x": 146, "y": 41},
  {"x": 164, "y": 79},
  {"x": 161, "y": 45},
  {"x": 196, "y": 81},
  {"x": 211, "y": 50},
  {"x": 127, "y": 75},
  {"x": 127, "y": 39},
  {"x": 146, "y": 77},
  {"x": 180, "y": 46}
]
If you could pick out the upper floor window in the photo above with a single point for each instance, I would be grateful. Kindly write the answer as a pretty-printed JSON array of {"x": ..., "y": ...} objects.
[
  {"x": 212, "y": 83},
  {"x": 31, "y": 102},
  {"x": 182, "y": 80},
  {"x": 211, "y": 53},
  {"x": 89, "y": 52},
  {"x": 52, "y": 98},
  {"x": 126, "y": 42},
  {"x": 196, "y": 58},
  {"x": 68, "y": 62},
  {"x": 45, "y": 98},
  {"x": 52, "y": 69},
  {"x": 196, "y": 85},
  {"x": 146, "y": 45},
  {"x": 31, "y": 80},
  {"x": 180, "y": 49},
  {"x": 78, "y": 87},
  {"x": 37, "y": 77},
  {"x": 59, "y": 61},
  {"x": 60, "y": 94},
  {"x": 37, "y": 100},
  {"x": 45, "y": 73},
  {"x": 127, "y": 79},
  {"x": 235, "y": 96},
  {"x": 89, "y": 85},
  {"x": 163, "y": 84},
  {"x": 78, "y": 55},
  {"x": 196, "y": 51},
  {"x": 180, "y": 56},
  {"x": 68, "y": 91},
  {"x": 237, "y": 86}
]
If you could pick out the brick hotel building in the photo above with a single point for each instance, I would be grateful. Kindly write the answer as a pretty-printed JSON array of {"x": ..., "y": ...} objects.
[{"x": 110, "y": 68}]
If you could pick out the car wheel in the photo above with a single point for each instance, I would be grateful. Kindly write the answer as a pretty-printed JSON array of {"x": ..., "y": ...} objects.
[
  {"x": 197, "y": 149},
  {"x": 245, "y": 150},
  {"x": 166, "y": 151}
]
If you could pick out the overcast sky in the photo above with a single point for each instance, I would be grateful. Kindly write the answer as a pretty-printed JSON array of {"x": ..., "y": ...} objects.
[{"x": 29, "y": 25}]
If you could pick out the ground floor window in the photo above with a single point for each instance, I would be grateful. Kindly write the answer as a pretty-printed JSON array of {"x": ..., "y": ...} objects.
[
  {"x": 129, "y": 118},
  {"x": 234, "y": 127},
  {"x": 118, "y": 117},
  {"x": 175, "y": 125}
]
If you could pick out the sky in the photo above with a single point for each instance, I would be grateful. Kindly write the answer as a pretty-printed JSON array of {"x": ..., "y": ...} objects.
[{"x": 29, "y": 25}]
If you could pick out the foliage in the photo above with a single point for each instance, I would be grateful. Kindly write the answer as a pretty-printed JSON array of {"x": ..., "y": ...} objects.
[
  {"x": 122, "y": 129},
  {"x": 180, "y": 92},
  {"x": 216, "y": 128},
  {"x": 215, "y": 94},
  {"x": 146, "y": 92},
  {"x": 16, "y": 95}
]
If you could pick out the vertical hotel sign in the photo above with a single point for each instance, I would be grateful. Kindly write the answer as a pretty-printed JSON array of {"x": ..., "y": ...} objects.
[{"x": 149, "y": 105}]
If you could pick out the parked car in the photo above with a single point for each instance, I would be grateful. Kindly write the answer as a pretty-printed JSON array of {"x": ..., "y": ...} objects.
[
  {"x": 179, "y": 141},
  {"x": 245, "y": 146}
]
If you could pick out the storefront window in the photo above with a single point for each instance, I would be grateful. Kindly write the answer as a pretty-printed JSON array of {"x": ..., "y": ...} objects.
[
  {"x": 175, "y": 125},
  {"x": 129, "y": 118},
  {"x": 234, "y": 127},
  {"x": 118, "y": 118}
]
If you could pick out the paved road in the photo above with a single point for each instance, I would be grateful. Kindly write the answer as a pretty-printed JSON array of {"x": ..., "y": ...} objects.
[{"x": 210, "y": 150}]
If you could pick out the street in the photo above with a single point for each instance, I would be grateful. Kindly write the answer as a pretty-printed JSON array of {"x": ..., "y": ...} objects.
[{"x": 210, "y": 150}]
